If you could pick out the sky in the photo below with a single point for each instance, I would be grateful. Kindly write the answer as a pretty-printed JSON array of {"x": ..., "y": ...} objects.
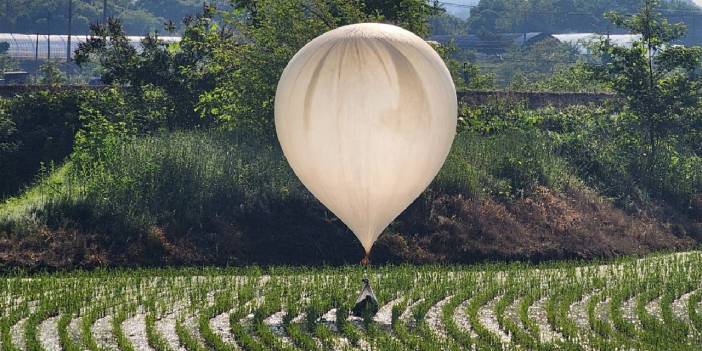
[{"x": 698, "y": 2}]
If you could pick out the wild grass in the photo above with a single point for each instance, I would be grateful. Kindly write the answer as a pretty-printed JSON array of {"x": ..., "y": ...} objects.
[
  {"x": 23, "y": 213},
  {"x": 185, "y": 179},
  {"x": 510, "y": 163}
]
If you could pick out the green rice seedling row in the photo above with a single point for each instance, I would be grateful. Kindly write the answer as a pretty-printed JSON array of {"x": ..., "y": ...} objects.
[{"x": 650, "y": 303}]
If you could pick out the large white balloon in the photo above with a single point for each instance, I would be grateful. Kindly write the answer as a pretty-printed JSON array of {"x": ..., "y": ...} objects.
[{"x": 366, "y": 115}]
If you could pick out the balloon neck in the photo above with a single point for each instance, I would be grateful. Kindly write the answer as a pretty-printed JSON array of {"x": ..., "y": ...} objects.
[{"x": 365, "y": 261}]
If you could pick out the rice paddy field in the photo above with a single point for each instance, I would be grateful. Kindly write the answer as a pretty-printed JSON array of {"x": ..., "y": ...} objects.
[{"x": 651, "y": 303}]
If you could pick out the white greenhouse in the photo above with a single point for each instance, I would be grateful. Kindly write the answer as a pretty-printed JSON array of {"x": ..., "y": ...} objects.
[{"x": 43, "y": 47}]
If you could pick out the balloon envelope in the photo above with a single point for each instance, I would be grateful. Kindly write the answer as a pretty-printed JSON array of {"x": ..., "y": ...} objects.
[{"x": 366, "y": 115}]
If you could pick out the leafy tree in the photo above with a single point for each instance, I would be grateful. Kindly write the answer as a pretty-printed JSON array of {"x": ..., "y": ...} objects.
[
  {"x": 179, "y": 72},
  {"x": 570, "y": 78},
  {"x": 51, "y": 74},
  {"x": 445, "y": 24},
  {"x": 229, "y": 68},
  {"x": 6, "y": 62},
  {"x": 410, "y": 14},
  {"x": 35, "y": 129},
  {"x": 174, "y": 10},
  {"x": 535, "y": 62},
  {"x": 556, "y": 16},
  {"x": 659, "y": 81},
  {"x": 138, "y": 16},
  {"x": 247, "y": 69}
]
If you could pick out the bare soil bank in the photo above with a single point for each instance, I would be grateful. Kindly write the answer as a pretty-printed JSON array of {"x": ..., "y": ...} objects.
[{"x": 437, "y": 228}]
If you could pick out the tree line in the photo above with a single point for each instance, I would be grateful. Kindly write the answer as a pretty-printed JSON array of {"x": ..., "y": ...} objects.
[
  {"x": 554, "y": 16},
  {"x": 52, "y": 16}
]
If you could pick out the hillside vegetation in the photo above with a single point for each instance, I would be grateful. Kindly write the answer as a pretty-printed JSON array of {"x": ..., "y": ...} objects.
[{"x": 517, "y": 192}]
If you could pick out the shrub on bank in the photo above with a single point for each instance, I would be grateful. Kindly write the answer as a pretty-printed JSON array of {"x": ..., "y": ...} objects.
[
  {"x": 509, "y": 163},
  {"x": 35, "y": 129},
  {"x": 600, "y": 147}
]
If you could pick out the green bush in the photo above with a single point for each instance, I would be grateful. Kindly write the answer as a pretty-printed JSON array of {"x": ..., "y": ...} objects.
[
  {"x": 41, "y": 129},
  {"x": 186, "y": 178},
  {"x": 221, "y": 196},
  {"x": 35, "y": 129},
  {"x": 508, "y": 163},
  {"x": 512, "y": 148}
]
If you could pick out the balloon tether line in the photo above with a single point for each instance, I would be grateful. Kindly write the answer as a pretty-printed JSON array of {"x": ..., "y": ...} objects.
[
  {"x": 366, "y": 303},
  {"x": 365, "y": 262}
]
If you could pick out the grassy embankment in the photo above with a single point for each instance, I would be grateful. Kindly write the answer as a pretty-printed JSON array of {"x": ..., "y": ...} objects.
[{"x": 534, "y": 185}]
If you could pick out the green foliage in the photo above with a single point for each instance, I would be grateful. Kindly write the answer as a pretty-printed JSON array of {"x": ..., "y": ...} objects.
[
  {"x": 471, "y": 77},
  {"x": 599, "y": 147},
  {"x": 228, "y": 190},
  {"x": 7, "y": 130},
  {"x": 177, "y": 73},
  {"x": 509, "y": 163},
  {"x": 536, "y": 62},
  {"x": 567, "y": 78},
  {"x": 558, "y": 16},
  {"x": 107, "y": 121},
  {"x": 51, "y": 74},
  {"x": 6, "y": 62},
  {"x": 658, "y": 80},
  {"x": 595, "y": 144},
  {"x": 140, "y": 17},
  {"x": 35, "y": 129},
  {"x": 41, "y": 129},
  {"x": 409, "y": 14},
  {"x": 466, "y": 74},
  {"x": 247, "y": 69},
  {"x": 547, "y": 65},
  {"x": 662, "y": 90},
  {"x": 183, "y": 179},
  {"x": 446, "y": 24}
]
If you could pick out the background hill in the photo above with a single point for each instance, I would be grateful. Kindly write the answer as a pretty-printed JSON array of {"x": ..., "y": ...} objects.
[
  {"x": 139, "y": 16},
  {"x": 487, "y": 16}
]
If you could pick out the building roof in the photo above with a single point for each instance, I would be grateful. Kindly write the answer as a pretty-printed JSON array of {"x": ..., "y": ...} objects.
[{"x": 24, "y": 46}]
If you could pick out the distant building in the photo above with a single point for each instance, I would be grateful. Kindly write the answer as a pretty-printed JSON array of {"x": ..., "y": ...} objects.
[
  {"x": 15, "y": 78},
  {"x": 496, "y": 43},
  {"x": 40, "y": 46}
]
